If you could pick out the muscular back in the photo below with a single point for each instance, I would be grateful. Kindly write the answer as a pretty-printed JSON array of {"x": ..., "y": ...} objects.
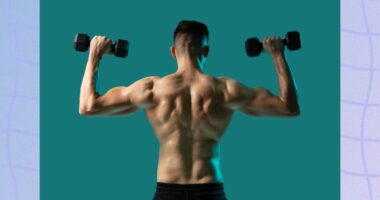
[
  {"x": 189, "y": 111},
  {"x": 189, "y": 119}
]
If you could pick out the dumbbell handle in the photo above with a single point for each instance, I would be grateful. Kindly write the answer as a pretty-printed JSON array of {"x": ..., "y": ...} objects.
[
  {"x": 112, "y": 45},
  {"x": 121, "y": 51},
  {"x": 112, "y": 48},
  {"x": 292, "y": 40},
  {"x": 119, "y": 48},
  {"x": 283, "y": 42}
]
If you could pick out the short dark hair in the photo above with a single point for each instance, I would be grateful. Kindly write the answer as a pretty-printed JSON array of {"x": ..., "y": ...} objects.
[{"x": 194, "y": 28}]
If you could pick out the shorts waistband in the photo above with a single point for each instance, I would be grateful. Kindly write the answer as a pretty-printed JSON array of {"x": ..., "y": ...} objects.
[{"x": 196, "y": 186}]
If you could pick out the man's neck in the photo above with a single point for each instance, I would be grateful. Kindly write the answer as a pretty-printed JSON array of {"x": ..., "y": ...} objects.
[{"x": 189, "y": 66}]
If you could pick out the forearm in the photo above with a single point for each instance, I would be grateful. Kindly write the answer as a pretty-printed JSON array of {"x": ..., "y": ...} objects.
[
  {"x": 288, "y": 93},
  {"x": 88, "y": 92}
]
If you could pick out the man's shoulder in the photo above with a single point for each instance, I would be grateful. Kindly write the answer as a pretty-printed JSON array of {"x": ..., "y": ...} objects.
[
  {"x": 231, "y": 85},
  {"x": 148, "y": 79},
  {"x": 151, "y": 78},
  {"x": 225, "y": 79},
  {"x": 145, "y": 83}
]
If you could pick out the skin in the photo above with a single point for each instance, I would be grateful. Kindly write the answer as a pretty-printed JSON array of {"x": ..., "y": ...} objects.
[{"x": 189, "y": 110}]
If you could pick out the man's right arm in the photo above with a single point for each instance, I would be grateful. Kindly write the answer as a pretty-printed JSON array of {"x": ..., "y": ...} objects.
[
  {"x": 257, "y": 101},
  {"x": 260, "y": 101}
]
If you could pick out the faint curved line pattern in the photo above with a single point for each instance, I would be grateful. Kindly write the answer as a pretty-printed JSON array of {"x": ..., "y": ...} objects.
[
  {"x": 21, "y": 60},
  {"x": 343, "y": 65},
  {"x": 359, "y": 139},
  {"x": 21, "y": 168},
  {"x": 12, "y": 173},
  {"x": 359, "y": 174},
  {"x": 358, "y": 103},
  {"x": 20, "y": 96},
  {"x": 15, "y": 23},
  {"x": 363, "y": 118},
  {"x": 24, "y": 35},
  {"x": 11, "y": 104},
  {"x": 359, "y": 32},
  {"x": 22, "y": 132}
]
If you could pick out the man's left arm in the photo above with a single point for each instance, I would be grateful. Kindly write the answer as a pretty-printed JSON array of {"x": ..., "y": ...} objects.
[{"x": 118, "y": 100}]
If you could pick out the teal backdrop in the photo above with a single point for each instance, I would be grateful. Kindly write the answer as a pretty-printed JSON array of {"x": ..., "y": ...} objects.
[{"x": 262, "y": 158}]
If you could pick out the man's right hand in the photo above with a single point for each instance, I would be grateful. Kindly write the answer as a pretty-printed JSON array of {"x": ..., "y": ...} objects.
[
  {"x": 100, "y": 45},
  {"x": 273, "y": 45}
]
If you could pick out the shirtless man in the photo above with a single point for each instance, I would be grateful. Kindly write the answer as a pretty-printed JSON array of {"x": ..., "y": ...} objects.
[{"x": 189, "y": 110}]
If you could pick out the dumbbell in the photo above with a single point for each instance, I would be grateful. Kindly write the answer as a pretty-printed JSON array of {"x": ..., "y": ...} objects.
[
  {"x": 119, "y": 48},
  {"x": 254, "y": 47}
]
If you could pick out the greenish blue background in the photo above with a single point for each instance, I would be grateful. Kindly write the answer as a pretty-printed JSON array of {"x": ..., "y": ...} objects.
[{"x": 262, "y": 158}]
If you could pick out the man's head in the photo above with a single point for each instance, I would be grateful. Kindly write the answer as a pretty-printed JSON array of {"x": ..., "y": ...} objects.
[{"x": 191, "y": 40}]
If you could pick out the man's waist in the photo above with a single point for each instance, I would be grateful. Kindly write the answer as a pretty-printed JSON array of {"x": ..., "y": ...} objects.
[{"x": 190, "y": 187}]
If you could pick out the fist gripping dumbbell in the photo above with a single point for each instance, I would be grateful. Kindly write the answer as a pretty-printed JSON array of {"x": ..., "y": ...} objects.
[
  {"x": 119, "y": 48},
  {"x": 254, "y": 47}
]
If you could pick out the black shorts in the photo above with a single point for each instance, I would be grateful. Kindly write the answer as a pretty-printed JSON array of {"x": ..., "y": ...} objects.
[{"x": 204, "y": 191}]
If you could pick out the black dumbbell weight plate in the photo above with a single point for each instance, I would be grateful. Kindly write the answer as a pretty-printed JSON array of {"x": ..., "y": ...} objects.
[
  {"x": 253, "y": 47},
  {"x": 293, "y": 40},
  {"x": 81, "y": 42}
]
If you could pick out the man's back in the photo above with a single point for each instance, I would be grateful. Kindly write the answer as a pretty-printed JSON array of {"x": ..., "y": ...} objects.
[
  {"x": 189, "y": 118},
  {"x": 189, "y": 110}
]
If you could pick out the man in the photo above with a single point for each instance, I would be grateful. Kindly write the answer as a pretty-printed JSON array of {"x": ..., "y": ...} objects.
[{"x": 189, "y": 110}]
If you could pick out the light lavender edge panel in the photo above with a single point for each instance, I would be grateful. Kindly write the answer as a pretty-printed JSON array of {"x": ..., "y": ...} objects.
[
  {"x": 19, "y": 100},
  {"x": 360, "y": 99}
]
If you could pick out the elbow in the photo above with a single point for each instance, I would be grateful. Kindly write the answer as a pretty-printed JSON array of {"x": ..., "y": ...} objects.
[
  {"x": 291, "y": 109},
  {"x": 293, "y": 112},
  {"x": 83, "y": 111},
  {"x": 87, "y": 106},
  {"x": 86, "y": 110}
]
